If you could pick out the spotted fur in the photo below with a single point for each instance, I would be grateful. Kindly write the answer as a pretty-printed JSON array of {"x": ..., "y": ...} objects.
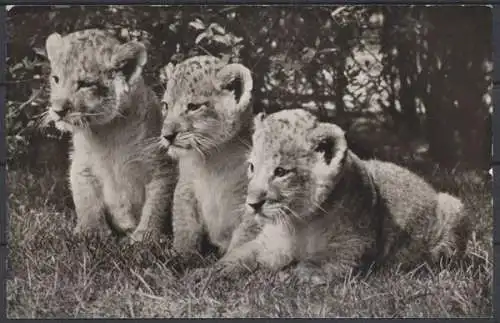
[
  {"x": 207, "y": 114},
  {"x": 99, "y": 96},
  {"x": 322, "y": 207}
]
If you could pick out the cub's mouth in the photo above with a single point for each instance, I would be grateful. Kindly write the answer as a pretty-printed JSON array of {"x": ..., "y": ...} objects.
[
  {"x": 263, "y": 218},
  {"x": 263, "y": 215},
  {"x": 175, "y": 141},
  {"x": 70, "y": 118},
  {"x": 59, "y": 120},
  {"x": 56, "y": 116},
  {"x": 259, "y": 214},
  {"x": 174, "y": 149},
  {"x": 173, "y": 145}
]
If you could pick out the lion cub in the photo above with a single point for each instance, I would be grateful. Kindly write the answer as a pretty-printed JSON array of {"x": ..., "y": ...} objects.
[
  {"x": 322, "y": 207},
  {"x": 98, "y": 94},
  {"x": 207, "y": 129}
]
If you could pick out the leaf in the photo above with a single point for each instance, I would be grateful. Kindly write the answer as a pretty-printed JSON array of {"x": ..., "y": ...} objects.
[
  {"x": 166, "y": 72},
  {"x": 226, "y": 40},
  {"x": 337, "y": 11},
  {"x": 218, "y": 28},
  {"x": 173, "y": 27},
  {"x": 200, "y": 37},
  {"x": 197, "y": 24},
  {"x": 238, "y": 47},
  {"x": 40, "y": 51},
  {"x": 308, "y": 55},
  {"x": 16, "y": 67},
  {"x": 52, "y": 15},
  {"x": 237, "y": 39},
  {"x": 225, "y": 58},
  {"x": 317, "y": 42},
  {"x": 328, "y": 50}
]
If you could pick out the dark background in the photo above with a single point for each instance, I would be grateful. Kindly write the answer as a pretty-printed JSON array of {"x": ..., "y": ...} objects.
[{"x": 410, "y": 83}]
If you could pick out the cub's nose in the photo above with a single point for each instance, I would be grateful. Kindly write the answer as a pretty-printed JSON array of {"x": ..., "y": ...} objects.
[
  {"x": 61, "y": 108},
  {"x": 257, "y": 206},
  {"x": 170, "y": 137},
  {"x": 62, "y": 113}
]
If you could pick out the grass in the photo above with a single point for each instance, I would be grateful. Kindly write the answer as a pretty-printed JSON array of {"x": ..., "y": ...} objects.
[{"x": 55, "y": 276}]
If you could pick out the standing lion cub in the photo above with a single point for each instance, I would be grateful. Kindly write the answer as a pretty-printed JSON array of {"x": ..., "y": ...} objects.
[
  {"x": 98, "y": 94},
  {"x": 322, "y": 207}
]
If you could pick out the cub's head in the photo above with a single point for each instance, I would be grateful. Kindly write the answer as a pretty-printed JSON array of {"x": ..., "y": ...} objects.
[
  {"x": 205, "y": 104},
  {"x": 294, "y": 163},
  {"x": 91, "y": 76}
]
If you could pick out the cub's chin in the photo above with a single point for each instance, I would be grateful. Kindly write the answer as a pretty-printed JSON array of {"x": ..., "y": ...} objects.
[
  {"x": 64, "y": 126},
  {"x": 261, "y": 217},
  {"x": 174, "y": 151}
]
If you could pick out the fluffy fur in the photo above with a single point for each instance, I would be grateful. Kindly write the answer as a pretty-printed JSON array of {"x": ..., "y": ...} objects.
[
  {"x": 206, "y": 128},
  {"x": 317, "y": 204},
  {"x": 98, "y": 94}
]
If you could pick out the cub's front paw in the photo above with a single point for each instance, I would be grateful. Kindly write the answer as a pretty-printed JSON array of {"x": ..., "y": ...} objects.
[
  {"x": 141, "y": 236},
  {"x": 83, "y": 232},
  {"x": 219, "y": 271},
  {"x": 309, "y": 274},
  {"x": 214, "y": 275},
  {"x": 228, "y": 270},
  {"x": 186, "y": 245}
]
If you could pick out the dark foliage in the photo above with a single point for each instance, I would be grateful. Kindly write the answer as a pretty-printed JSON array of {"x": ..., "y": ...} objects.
[{"x": 410, "y": 83}]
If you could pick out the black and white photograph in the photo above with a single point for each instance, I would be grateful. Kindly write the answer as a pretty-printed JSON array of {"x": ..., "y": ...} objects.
[{"x": 237, "y": 161}]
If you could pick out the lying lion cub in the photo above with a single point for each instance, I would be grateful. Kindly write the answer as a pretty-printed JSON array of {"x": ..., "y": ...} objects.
[{"x": 317, "y": 204}]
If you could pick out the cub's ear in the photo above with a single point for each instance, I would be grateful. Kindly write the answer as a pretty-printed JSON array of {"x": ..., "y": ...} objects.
[
  {"x": 237, "y": 79},
  {"x": 258, "y": 119},
  {"x": 130, "y": 58},
  {"x": 331, "y": 143},
  {"x": 166, "y": 73},
  {"x": 52, "y": 45}
]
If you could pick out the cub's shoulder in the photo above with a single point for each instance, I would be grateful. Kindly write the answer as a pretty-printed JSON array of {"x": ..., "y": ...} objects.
[{"x": 387, "y": 176}]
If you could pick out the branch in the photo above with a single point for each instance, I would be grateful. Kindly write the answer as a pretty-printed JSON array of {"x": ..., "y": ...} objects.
[
  {"x": 33, "y": 97},
  {"x": 7, "y": 83}
]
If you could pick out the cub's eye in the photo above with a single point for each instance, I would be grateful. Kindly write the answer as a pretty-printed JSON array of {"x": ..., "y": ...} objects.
[
  {"x": 250, "y": 167},
  {"x": 55, "y": 78},
  {"x": 194, "y": 106},
  {"x": 86, "y": 84},
  {"x": 280, "y": 171},
  {"x": 164, "y": 106}
]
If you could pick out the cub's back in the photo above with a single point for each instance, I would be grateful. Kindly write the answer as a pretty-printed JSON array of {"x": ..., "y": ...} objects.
[{"x": 403, "y": 193}]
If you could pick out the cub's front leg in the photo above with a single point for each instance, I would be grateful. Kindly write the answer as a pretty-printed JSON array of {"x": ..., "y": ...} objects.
[
  {"x": 247, "y": 231},
  {"x": 236, "y": 262},
  {"x": 156, "y": 212},
  {"x": 271, "y": 249},
  {"x": 87, "y": 197},
  {"x": 186, "y": 222},
  {"x": 344, "y": 255},
  {"x": 118, "y": 199}
]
